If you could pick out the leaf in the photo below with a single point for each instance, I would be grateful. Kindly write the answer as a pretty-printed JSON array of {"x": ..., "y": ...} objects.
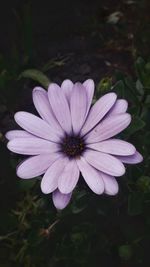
[
  {"x": 136, "y": 125},
  {"x": 143, "y": 184},
  {"x": 143, "y": 72},
  {"x": 77, "y": 210},
  {"x": 104, "y": 85},
  {"x": 139, "y": 66},
  {"x": 119, "y": 88},
  {"x": 135, "y": 203},
  {"x": 37, "y": 76},
  {"x": 139, "y": 87},
  {"x": 125, "y": 252},
  {"x": 114, "y": 17},
  {"x": 25, "y": 185}
]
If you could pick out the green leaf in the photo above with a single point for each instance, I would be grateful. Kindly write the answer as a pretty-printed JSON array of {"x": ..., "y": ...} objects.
[
  {"x": 136, "y": 125},
  {"x": 139, "y": 87},
  {"x": 143, "y": 184},
  {"x": 125, "y": 252},
  {"x": 119, "y": 88},
  {"x": 135, "y": 203},
  {"x": 104, "y": 85},
  {"x": 143, "y": 72},
  {"x": 37, "y": 76},
  {"x": 139, "y": 66},
  {"x": 25, "y": 185}
]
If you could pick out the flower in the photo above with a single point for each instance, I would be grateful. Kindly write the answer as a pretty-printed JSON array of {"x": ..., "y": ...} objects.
[{"x": 73, "y": 137}]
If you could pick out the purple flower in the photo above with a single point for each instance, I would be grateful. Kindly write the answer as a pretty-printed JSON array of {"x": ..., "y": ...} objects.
[{"x": 73, "y": 137}]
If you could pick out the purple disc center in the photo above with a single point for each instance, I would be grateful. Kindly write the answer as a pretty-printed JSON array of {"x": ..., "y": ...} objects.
[{"x": 73, "y": 146}]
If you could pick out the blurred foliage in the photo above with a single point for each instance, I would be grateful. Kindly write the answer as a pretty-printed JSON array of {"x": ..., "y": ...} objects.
[{"x": 93, "y": 230}]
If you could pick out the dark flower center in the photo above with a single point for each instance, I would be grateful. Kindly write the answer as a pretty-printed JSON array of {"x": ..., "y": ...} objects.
[{"x": 73, "y": 146}]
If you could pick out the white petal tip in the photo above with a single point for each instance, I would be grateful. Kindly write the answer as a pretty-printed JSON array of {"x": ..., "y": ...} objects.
[
  {"x": 99, "y": 192},
  {"x": 44, "y": 190},
  {"x": 7, "y": 135},
  {"x": 67, "y": 81},
  {"x": 112, "y": 192},
  {"x": 64, "y": 190},
  {"x": 38, "y": 88},
  {"x": 132, "y": 150},
  {"x": 17, "y": 115},
  {"x": 53, "y": 86},
  {"x": 60, "y": 200},
  {"x": 90, "y": 82},
  {"x": 121, "y": 171},
  {"x": 20, "y": 174},
  {"x": 139, "y": 158},
  {"x": 113, "y": 95},
  {"x": 9, "y": 145}
]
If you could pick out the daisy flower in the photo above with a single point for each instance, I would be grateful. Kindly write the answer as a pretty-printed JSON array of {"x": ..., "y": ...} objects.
[{"x": 72, "y": 137}]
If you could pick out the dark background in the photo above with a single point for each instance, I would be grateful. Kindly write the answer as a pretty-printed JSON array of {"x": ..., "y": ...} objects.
[{"x": 76, "y": 40}]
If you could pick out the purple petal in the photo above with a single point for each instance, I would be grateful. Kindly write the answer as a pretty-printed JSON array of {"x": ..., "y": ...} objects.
[
  {"x": 69, "y": 178},
  {"x": 119, "y": 107},
  {"x": 98, "y": 111},
  {"x": 36, "y": 126},
  {"x": 114, "y": 147},
  {"x": 134, "y": 159},
  {"x": 89, "y": 86},
  {"x": 17, "y": 134},
  {"x": 78, "y": 106},
  {"x": 60, "y": 107},
  {"x": 42, "y": 105},
  {"x": 60, "y": 200},
  {"x": 91, "y": 176},
  {"x": 35, "y": 166},
  {"x": 105, "y": 163},
  {"x": 32, "y": 146},
  {"x": 110, "y": 184},
  {"x": 66, "y": 87},
  {"x": 108, "y": 128},
  {"x": 50, "y": 179}
]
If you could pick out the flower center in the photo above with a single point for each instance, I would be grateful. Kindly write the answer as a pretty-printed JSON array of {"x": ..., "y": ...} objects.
[{"x": 73, "y": 146}]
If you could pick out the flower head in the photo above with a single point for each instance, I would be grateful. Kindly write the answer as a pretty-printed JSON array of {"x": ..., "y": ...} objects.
[{"x": 70, "y": 138}]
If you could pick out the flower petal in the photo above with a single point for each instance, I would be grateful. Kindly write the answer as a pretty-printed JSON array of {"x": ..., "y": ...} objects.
[
  {"x": 109, "y": 127},
  {"x": 78, "y": 106},
  {"x": 98, "y": 111},
  {"x": 91, "y": 176},
  {"x": 104, "y": 162},
  {"x": 114, "y": 147},
  {"x": 35, "y": 166},
  {"x": 134, "y": 159},
  {"x": 119, "y": 107},
  {"x": 17, "y": 134},
  {"x": 60, "y": 107},
  {"x": 60, "y": 200},
  {"x": 42, "y": 105},
  {"x": 89, "y": 86},
  {"x": 110, "y": 184},
  {"x": 32, "y": 146},
  {"x": 69, "y": 178},
  {"x": 50, "y": 179},
  {"x": 66, "y": 87},
  {"x": 36, "y": 126}
]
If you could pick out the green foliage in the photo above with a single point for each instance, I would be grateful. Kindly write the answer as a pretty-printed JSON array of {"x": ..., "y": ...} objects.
[
  {"x": 104, "y": 85},
  {"x": 37, "y": 76},
  {"x": 125, "y": 252},
  {"x": 135, "y": 201},
  {"x": 143, "y": 72}
]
